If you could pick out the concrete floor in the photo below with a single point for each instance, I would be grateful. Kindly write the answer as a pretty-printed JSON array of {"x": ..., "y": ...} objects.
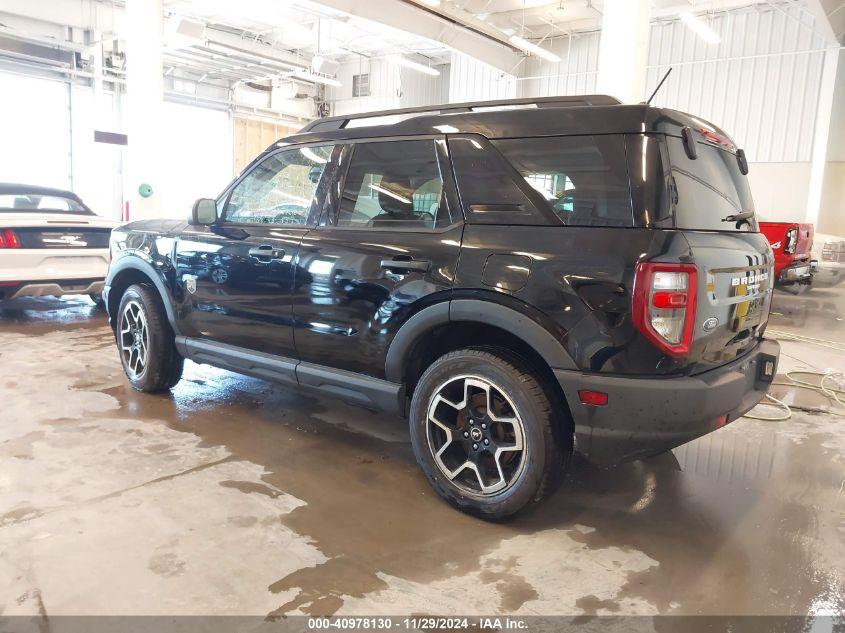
[{"x": 235, "y": 496}]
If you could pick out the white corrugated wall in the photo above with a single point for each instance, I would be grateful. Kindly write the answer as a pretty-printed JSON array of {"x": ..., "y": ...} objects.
[
  {"x": 760, "y": 84},
  {"x": 391, "y": 86},
  {"x": 575, "y": 74},
  {"x": 473, "y": 80}
]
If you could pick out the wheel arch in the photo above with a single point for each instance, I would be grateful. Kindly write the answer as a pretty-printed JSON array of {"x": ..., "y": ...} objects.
[
  {"x": 133, "y": 270},
  {"x": 511, "y": 323}
]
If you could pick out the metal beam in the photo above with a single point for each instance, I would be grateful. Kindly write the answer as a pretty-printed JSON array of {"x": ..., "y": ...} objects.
[{"x": 438, "y": 25}]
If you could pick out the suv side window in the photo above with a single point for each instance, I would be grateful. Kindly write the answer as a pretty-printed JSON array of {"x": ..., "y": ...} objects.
[
  {"x": 393, "y": 184},
  {"x": 280, "y": 189},
  {"x": 583, "y": 178}
]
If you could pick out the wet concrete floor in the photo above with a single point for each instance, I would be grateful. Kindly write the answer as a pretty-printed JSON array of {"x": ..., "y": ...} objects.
[{"x": 236, "y": 496}]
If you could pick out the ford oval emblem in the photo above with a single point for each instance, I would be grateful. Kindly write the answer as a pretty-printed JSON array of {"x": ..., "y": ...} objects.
[{"x": 710, "y": 324}]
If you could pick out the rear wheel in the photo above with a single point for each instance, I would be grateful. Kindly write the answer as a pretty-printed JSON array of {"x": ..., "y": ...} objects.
[
  {"x": 97, "y": 298},
  {"x": 486, "y": 433},
  {"x": 145, "y": 341}
]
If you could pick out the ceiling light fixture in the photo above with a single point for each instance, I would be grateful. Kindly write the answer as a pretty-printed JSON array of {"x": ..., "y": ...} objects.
[
  {"x": 407, "y": 63},
  {"x": 702, "y": 30},
  {"x": 305, "y": 75},
  {"x": 528, "y": 47}
]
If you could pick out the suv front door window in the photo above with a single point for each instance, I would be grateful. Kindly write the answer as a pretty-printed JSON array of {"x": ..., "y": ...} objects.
[{"x": 280, "y": 189}]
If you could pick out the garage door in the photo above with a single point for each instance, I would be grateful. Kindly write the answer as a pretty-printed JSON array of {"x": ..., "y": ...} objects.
[{"x": 35, "y": 128}]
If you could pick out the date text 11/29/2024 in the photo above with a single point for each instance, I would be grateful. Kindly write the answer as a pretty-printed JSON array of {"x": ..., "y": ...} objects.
[{"x": 417, "y": 623}]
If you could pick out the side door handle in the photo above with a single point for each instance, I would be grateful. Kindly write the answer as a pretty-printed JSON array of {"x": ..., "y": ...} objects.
[
  {"x": 266, "y": 253},
  {"x": 406, "y": 264}
]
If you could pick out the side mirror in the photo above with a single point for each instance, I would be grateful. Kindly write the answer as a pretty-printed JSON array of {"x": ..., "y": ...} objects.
[
  {"x": 204, "y": 212},
  {"x": 742, "y": 161}
]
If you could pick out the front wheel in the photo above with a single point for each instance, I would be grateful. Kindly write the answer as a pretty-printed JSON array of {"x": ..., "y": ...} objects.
[
  {"x": 486, "y": 434},
  {"x": 145, "y": 341}
]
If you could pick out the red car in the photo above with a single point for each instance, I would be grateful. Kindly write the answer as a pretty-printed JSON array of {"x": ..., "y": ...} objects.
[{"x": 792, "y": 244}]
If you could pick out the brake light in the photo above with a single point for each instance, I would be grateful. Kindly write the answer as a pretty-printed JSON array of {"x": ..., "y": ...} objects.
[
  {"x": 9, "y": 239},
  {"x": 664, "y": 305},
  {"x": 791, "y": 241}
]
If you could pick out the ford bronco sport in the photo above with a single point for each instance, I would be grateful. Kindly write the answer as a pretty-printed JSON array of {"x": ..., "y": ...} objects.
[{"x": 521, "y": 279}]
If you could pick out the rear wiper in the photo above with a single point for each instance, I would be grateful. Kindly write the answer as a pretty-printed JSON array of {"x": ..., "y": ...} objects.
[{"x": 739, "y": 218}]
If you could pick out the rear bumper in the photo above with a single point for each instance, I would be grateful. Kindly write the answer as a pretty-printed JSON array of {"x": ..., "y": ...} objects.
[
  {"x": 647, "y": 416},
  {"x": 51, "y": 288},
  {"x": 53, "y": 264},
  {"x": 799, "y": 272}
]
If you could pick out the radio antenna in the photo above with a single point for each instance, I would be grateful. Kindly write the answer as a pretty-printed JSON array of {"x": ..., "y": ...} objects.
[{"x": 659, "y": 86}]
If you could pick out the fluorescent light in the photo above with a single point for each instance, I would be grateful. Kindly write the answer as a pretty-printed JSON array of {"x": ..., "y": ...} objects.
[
  {"x": 705, "y": 32},
  {"x": 304, "y": 74},
  {"x": 388, "y": 192},
  {"x": 407, "y": 63},
  {"x": 528, "y": 47},
  {"x": 312, "y": 156}
]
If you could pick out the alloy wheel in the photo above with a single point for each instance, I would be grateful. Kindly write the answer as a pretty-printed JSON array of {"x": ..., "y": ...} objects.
[
  {"x": 475, "y": 435},
  {"x": 134, "y": 339}
]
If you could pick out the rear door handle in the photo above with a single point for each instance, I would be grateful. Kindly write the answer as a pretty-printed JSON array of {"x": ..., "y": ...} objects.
[
  {"x": 406, "y": 264},
  {"x": 266, "y": 253}
]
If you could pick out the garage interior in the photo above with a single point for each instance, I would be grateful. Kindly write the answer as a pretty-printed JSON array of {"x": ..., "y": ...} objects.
[{"x": 234, "y": 496}]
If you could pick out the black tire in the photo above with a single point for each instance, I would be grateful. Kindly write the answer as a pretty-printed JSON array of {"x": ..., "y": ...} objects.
[
  {"x": 97, "y": 298},
  {"x": 163, "y": 364},
  {"x": 546, "y": 429}
]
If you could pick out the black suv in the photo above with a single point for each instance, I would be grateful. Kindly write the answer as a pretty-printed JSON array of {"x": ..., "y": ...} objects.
[{"x": 520, "y": 278}]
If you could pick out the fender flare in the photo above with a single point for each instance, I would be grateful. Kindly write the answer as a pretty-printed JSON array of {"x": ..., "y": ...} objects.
[
  {"x": 477, "y": 311},
  {"x": 143, "y": 266}
]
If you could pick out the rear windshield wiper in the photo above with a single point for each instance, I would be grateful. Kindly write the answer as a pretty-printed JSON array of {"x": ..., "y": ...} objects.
[{"x": 739, "y": 218}]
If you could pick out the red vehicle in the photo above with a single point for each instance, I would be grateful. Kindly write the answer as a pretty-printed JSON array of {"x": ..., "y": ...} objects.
[{"x": 792, "y": 244}]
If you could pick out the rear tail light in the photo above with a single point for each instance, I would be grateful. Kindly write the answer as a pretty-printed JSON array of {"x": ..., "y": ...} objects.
[
  {"x": 9, "y": 239},
  {"x": 664, "y": 305},
  {"x": 791, "y": 241}
]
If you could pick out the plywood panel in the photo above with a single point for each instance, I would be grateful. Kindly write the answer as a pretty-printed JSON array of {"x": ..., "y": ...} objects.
[{"x": 251, "y": 137}]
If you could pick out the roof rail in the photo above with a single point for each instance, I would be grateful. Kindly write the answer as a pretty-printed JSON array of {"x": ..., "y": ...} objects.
[{"x": 340, "y": 122}]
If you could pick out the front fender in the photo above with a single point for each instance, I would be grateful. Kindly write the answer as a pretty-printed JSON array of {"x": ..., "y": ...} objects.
[{"x": 130, "y": 265}]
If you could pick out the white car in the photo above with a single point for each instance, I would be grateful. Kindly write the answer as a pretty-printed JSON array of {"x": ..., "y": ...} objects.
[
  {"x": 50, "y": 244},
  {"x": 828, "y": 260}
]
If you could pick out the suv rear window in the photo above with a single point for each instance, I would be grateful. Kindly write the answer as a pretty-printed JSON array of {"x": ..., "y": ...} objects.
[
  {"x": 583, "y": 178},
  {"x": 709, "y": 188}
]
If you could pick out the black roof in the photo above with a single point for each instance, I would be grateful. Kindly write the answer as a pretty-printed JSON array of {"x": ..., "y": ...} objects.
[
  {"x": 13, "y": 188},
  {"x": 549, "y": 116}
]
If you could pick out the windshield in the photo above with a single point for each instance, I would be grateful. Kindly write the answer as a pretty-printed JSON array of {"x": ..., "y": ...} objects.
[
  {"x": 51, "y": 203},
  {"x": 709, "y": 188}
]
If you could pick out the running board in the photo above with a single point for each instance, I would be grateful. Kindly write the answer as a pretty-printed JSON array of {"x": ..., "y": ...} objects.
[{"x": 360, "y": 389}]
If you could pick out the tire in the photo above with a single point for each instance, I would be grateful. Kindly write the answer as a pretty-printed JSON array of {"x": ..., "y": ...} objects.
[
  {"x": 98, "y": 300},
  {"x": 523, "y": 477},
  {"x": 142, "y": 324}
]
